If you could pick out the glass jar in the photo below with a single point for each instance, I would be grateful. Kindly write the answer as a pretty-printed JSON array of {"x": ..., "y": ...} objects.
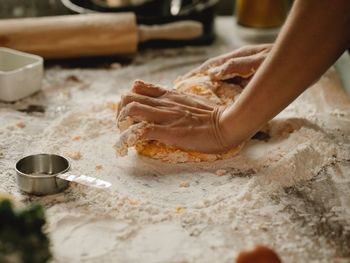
[{"x": 261, "y": 13}]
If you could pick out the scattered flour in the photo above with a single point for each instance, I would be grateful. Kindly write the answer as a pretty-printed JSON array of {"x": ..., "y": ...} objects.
[{"x": 290, "y": 192}]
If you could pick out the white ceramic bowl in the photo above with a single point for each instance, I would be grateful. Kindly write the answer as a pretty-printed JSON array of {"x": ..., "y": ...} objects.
[{"x": 20, "y": 74}]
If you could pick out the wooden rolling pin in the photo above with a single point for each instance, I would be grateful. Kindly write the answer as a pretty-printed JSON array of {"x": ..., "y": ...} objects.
[{"x": 88, "y": 35}]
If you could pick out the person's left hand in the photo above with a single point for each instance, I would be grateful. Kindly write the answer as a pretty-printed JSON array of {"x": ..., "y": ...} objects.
[
  {"x": 188, "y": 122},
  {"x": 242, "y": 62}
]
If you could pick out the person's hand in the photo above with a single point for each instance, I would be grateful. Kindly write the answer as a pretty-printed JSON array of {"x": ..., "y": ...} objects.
[
  {"x": 188, "y": 122},
  {"x": 242, "y": 62}
]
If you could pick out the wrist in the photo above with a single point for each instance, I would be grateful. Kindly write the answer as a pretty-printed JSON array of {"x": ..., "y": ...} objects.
[{"x": 234, "y": 129}]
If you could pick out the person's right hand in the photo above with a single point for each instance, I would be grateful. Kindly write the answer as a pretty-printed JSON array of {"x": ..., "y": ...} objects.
[
  {"x": 188, "y": 122},
  {"x": 241, "y": 62}
]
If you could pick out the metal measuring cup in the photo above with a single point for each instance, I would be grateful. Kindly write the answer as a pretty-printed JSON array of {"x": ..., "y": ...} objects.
[{"x": 45, "y": 174}]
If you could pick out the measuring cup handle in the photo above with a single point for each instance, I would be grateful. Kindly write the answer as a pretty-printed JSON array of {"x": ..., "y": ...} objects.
[{"x": 85, "y": 180}]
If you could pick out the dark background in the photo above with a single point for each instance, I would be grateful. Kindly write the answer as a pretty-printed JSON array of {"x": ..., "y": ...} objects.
[{"x": 28, "y": 8}]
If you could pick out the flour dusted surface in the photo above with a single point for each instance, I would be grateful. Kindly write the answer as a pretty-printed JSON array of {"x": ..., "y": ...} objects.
[{"x": 290, "y": 192}]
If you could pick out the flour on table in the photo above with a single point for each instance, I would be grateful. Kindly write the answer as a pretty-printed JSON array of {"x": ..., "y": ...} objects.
[{"x": 290, "y": 192}]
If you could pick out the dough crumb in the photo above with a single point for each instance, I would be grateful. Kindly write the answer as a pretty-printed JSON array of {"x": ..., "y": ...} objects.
[
  {"x": 76, "y": 138},
  {"x": 73, "y": 78},
  {"x": 75, "y": 155},
  {"x": 20, "y": 124},
  {"x": 221, "y": 172},
  {"x": 99, "y": 167},
  {"x": 112, "y": 105},
  {"x": 184, "y": 184},
  {"x": 179, "y": 210},
  {"x": 134, "y": 202}
]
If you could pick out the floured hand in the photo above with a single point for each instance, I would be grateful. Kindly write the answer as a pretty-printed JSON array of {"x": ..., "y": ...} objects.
[
  {"x": 242, "y": 62},
  {"x": 187, "y": 122}
]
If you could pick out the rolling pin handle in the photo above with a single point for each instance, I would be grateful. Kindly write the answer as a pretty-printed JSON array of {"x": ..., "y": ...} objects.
[{"x": 182, "y": 30}]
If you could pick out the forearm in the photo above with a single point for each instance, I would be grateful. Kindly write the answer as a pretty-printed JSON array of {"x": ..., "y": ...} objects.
[{"x": 316, "y": 33}]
